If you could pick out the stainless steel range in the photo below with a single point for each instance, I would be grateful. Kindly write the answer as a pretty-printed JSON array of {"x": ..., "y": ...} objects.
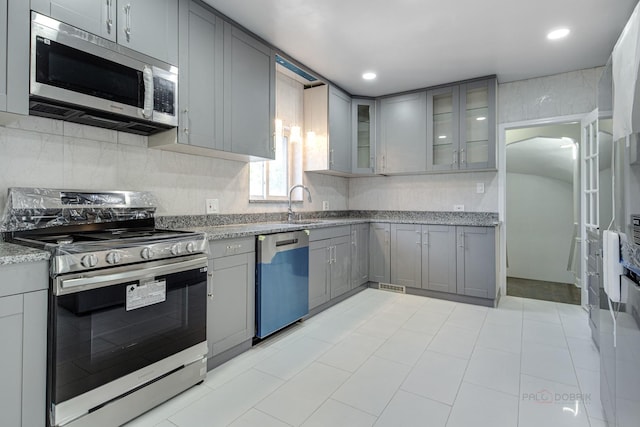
[{"x": 127, "y": 306}]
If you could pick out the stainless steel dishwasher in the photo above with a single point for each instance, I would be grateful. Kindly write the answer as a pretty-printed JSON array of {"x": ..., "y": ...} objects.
[{"x": 282, "y": 280}]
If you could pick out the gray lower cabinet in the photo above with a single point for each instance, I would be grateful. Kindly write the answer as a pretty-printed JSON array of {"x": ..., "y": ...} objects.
[
  {"x": 476, "y": 261},
  {"x": 379, "y": 252},
  {"x": 359, "y": 255},
  {"x": 439, "y": 258},
  {"x": 402, "y": 131},
  {"x": 23, "y": 334},
  {"x": 406, "y": 255},
  {"x": 231, "y": 294},
  {"x": 329, "y": 264}
]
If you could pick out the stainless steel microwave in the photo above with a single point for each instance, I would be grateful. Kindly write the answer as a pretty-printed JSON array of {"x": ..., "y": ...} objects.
[{"x": 79, "y": 77}]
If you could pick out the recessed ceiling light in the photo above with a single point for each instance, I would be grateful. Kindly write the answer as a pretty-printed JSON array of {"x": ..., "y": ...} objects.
[
  {"x": 369, "y": 76},
  {"x": 481, "y": 118},
  {"x": 558, "y": 34},
  {"x": 442, "y": 137}
]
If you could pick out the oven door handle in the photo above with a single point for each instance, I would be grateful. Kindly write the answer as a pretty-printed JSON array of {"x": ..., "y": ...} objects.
[{"x": 127, "y": 274}]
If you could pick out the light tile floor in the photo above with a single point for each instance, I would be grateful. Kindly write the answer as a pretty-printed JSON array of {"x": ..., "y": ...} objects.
[{"x": 388, "y": 359}]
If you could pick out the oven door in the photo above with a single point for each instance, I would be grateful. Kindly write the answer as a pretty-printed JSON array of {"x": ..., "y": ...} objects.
[{"x": 112, "y": 333}]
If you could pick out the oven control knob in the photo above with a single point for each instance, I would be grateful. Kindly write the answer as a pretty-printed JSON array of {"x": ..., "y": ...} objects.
[
  {"x": 147, "y": 253},
  {"x": 89, "y": 261},
  {"x": 114, "y": 258},
  {"x": 175, "y": 249},
  {"x": 191, "y": 247}
]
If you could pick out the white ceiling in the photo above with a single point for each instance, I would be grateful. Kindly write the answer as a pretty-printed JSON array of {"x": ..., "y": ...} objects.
[
  {"x": 413, "y": 44},
  {"x": 546, "y": 157}
]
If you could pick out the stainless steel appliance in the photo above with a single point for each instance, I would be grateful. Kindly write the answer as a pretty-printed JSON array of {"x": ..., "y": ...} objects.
[
  {"x": 127, "y": 305},
  {"x": 282, "y": 281},
  {"x": 79, "y": 77}
]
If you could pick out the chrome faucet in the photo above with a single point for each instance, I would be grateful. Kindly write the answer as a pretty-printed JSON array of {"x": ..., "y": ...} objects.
[{"x": 290, "y": 211}]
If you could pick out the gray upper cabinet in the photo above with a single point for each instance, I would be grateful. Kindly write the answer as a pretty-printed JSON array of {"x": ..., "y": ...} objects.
[
  {"x": 95, "y": 16},
  {"x": 359, "y": 255},
  {"x": 443, "y": 123},
  {"x": 439, "y": 258},
  {"x": 149, "y": 27},
  {"x": 14, "y": 56},
  {"x": 146, "y": 26},
  {"x": 478, "y": 125},
  {"x": 379, "y": 252},
  {"x": 476, "y": 262},
  {"x": 23, "y": 333},
  {"x": 406, "y": 255},
  {"x": 327, "y": 116},
  {"x": 462, "y": 126},
  {"x": 363, "y": 113},
  {"x": 402, "y": 122},
  {"x": 201, "y": 82},
  {"x": 231, "y": 294},
  {"x": 339, "y": 130},
  {"x": 249, "y": 94}
]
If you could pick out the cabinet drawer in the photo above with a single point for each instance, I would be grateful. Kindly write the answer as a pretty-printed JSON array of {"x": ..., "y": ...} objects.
[
  {"x": 222, "y": 248},
  {"x": 329, "y": 233}
]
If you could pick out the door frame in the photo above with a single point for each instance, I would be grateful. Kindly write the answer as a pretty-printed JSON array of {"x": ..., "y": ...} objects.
[{"x": 502, "y": 179}]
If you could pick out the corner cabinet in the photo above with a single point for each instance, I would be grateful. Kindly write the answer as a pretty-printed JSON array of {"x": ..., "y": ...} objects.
[
  {"x": 23, "y": 332},
  {"x": 327, "y": 125},
  {"x": 406, "y": 255},
  {"x": 231, "y": 294},
  {"x": 146, "y": 26},
  {"x": 363, "y": 156},
  {"x": 359, "y": 255},
  {"x": 380, "y": 252},
  {"x": 402, "y": 125},
  {"x": 462, "y": 126}
]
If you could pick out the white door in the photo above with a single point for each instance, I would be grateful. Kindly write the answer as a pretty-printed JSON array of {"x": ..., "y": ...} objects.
[{"x": 590, "y": 184}]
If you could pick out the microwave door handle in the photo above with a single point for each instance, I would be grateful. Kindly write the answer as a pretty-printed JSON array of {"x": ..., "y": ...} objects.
[{"x": 147, "y": 78}]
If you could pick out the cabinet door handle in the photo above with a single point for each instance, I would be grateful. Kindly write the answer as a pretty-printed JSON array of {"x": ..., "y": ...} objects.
[
  {"x": 386, "y": 236},
  {"x": 461, "y": 245},
  {"x": 273, "y": 142},
  {"x": 127, "y": 27},
  {"x": 210, "y": 285},
  {"x": 109, "y": 17},
  {"x": 463, "y": 157},
  {"x": 329, "y": 255},
  {"x": 425, "y": 239},
  {"x": 455, "y": 157},
  {"x": 185, "y": 120},
  {"x": 330, "y": 157},
  {"x": 335, "y": 255}
]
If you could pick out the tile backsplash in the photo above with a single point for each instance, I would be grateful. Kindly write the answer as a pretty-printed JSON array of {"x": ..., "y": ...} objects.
[{"x": 39, "y": 152}]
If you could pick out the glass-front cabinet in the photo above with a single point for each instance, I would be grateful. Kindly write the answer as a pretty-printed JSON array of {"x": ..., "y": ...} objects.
[
  {"x": 363, "y": 122},
  {"x": 461, "y": 120},
  {"x": 442, "y": 128}
]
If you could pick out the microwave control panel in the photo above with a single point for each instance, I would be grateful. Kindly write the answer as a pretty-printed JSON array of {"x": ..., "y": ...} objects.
[
  {"x": 164, "y": 92},
  {"x": 635, "y": 228}
]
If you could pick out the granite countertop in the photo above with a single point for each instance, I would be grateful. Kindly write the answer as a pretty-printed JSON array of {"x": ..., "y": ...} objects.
[
  {"x": 231, "y": 231},
  {"x": 16, "y": 254}
]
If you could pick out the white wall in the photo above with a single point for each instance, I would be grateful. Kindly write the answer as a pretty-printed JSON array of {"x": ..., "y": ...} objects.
[
  {"x": 435, "y": 192},
  {"x": 38, "y": 152},
  {"x": 539, "y": 227},
  {"x": 552, "y": 96}
]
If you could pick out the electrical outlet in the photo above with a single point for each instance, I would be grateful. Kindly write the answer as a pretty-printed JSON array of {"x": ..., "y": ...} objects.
[
  {"x": 480, "y": 187},
  {"x": 212, "y": 206},
  {"x": 325, "y": 205},
  {"x": 458, "y": 208}
]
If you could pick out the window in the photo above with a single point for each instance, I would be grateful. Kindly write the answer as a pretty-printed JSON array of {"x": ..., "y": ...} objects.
[{"x": 271, "y": 179}]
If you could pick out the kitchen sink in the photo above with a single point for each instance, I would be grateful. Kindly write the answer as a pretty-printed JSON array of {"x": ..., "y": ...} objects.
[{"x": 306, "y": 221}]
